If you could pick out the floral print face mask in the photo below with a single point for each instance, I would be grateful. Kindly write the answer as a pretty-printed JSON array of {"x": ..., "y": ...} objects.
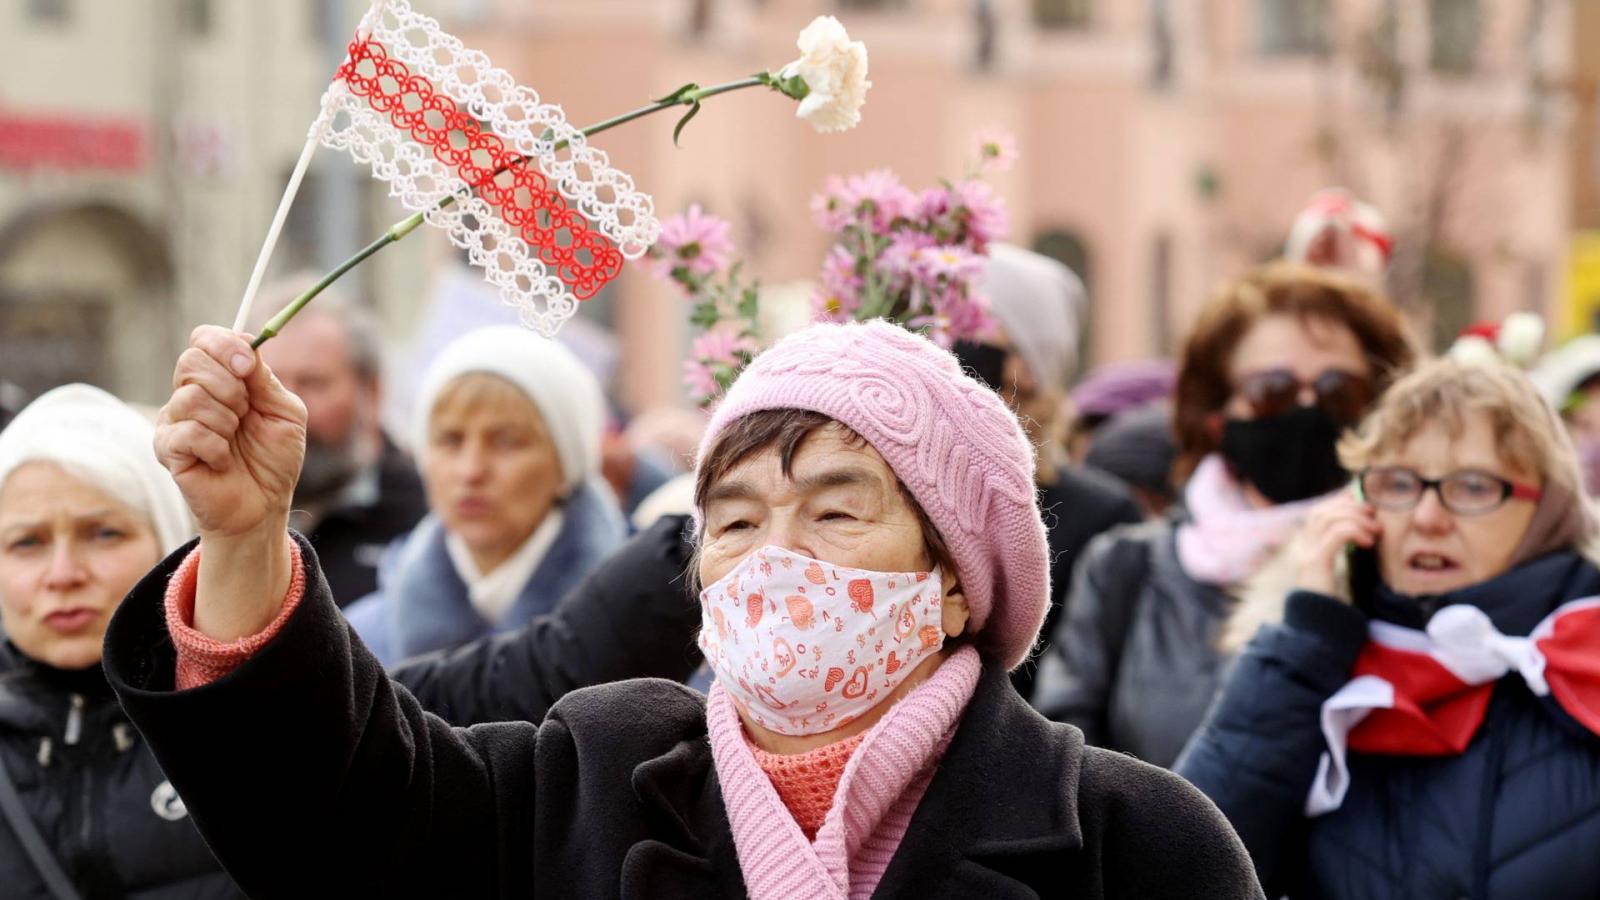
[{"x": 806, "y": 647}]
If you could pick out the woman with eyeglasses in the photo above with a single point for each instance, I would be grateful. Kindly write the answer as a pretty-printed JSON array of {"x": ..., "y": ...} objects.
[
  {"x": 1423, "y": 720},
  {"x": 1279, "y": 363}
]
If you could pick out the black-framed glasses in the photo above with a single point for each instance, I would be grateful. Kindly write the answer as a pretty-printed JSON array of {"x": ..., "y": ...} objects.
[
  {"x": 1468, "y": 492},
  {"x": 1343, "y": 395}
]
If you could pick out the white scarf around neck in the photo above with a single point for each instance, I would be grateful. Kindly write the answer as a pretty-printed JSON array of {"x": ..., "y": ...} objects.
[{"x": 495, "y": 592}]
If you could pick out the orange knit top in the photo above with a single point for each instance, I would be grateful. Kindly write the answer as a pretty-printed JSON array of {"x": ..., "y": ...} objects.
[{"x": 806, "y": 782}]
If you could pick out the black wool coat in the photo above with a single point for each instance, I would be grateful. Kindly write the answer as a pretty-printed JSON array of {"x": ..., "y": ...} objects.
[
  {"x": 1134, "y": 662},
  {"x": 1081, "y": 504},
  {"x": 633, "y": 616},
  {"x": 310, "y": 774},
  {"x": 352, "y": 539},
  {"x": 94, "y": 793}
]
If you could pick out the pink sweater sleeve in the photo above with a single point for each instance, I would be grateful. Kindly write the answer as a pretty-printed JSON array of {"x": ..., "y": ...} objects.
[{"x": 201, "y": 659}]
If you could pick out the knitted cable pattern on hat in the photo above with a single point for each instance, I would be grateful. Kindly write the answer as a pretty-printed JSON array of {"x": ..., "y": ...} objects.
[{"x": 950, "y": 440}]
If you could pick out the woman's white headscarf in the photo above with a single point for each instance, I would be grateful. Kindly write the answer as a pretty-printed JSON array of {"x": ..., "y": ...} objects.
[
  {"x": 105, "y": 443},
  {"x": 567, "y": 396},
  {"x": 1037, "y": 300}
]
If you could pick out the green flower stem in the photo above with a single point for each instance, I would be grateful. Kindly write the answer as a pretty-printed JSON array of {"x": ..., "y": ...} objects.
[
  {"x": 689, "y": 96},
  {"x": 701, "y": 94}
]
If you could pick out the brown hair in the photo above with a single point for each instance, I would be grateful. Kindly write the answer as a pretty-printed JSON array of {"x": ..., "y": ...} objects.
[
  {"x": 786, "y": 430},
  {"x": 1204, "y": 382}
]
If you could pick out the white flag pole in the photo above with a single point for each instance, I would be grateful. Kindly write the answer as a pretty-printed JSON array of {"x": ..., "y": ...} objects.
[
  {"x": 284, "y": 203},
  {"x": 293, "y": 187}
]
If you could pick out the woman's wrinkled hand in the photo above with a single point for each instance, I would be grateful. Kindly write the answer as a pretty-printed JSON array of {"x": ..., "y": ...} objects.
[
  {"x": 232, "y": 436},
  {"x": 1332, "y": 526}
]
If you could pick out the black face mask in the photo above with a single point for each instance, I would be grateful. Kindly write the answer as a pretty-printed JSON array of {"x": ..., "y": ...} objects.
[{"x": 1287, "y": 458}]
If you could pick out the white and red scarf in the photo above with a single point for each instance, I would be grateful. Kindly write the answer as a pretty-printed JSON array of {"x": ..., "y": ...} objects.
[{"x": 1425, "y": 693}]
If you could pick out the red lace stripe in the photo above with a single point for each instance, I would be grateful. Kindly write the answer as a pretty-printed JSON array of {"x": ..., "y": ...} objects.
[{"x": 561, "y": 236}]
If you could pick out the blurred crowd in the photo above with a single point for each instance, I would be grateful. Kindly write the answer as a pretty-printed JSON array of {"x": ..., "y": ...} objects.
[{"x": 1345, "y": 589}]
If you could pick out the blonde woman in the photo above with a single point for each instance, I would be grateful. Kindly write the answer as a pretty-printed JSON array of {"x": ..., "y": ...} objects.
[{"x": 1424, "y": 725}]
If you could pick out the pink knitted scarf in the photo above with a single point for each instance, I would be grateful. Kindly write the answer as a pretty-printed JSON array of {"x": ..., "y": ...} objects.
[
  {"x": 1228, "y": 539},
  {"x": 881, "y": 787}
]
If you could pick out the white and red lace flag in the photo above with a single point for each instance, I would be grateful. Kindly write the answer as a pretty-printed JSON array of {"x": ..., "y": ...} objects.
[{"x": 544, "y": 214}]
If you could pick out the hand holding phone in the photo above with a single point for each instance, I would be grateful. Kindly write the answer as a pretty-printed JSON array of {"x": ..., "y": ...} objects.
[{"x": 1344, "y": 524}]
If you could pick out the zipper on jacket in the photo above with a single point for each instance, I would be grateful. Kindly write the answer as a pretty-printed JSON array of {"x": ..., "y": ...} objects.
[
  {"x": 74, "y": 720},
  {"x": 122, "y": 734},
  {"x": 45, "y": 748}
]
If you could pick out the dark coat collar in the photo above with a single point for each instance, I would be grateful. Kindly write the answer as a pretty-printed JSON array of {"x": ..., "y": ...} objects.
[
  {"x": 1007, "y": 790},
  {"x": 1515, "y": 601}
]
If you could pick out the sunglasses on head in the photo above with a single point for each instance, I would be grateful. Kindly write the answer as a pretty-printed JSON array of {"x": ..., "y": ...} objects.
[{"x": 1344, "y": 396}]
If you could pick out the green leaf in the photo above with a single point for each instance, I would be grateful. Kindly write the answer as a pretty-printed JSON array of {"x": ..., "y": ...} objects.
[
  {"x": 794, "y": 86},
  {"x": 749, "y": 304},
  {"x": 705, "y": 315},
  {"x": 684, "y": 121},
  {"x": 678, "y": 94}
]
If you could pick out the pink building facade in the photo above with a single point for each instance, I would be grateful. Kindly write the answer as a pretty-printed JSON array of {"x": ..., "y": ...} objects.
[{"x": 1166, "y": 145}]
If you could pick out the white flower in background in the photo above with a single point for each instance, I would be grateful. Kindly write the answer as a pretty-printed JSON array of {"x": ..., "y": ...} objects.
[
  {"x": 1521, "y": 336},
  {"x": 834, "y": 69}
]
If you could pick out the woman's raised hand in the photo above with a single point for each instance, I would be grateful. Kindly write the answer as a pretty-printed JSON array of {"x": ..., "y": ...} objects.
[
  {"x": 232, "y": 436},
  {"x": 1331, "y": 526}
]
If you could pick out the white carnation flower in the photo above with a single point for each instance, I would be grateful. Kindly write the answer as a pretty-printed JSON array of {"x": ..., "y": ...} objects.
[{"x": 834, "y": 69}]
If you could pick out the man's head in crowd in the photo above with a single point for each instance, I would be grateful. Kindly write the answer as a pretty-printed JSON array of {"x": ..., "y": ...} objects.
[{"x": 331, "y": 357}]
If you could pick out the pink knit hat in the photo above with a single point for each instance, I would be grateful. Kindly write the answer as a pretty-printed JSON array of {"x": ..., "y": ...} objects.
[{"x": 951, "y": 441}]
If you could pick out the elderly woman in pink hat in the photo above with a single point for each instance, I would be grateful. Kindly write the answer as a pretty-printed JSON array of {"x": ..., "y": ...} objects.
[{"x": 872, "y": 563}]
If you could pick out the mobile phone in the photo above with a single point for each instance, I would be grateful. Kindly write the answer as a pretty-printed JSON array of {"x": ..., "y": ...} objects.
[{"x": 1362, "y": 565}]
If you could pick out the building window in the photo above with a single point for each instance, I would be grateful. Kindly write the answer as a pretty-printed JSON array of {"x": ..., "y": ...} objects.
[
  {"x": 872, "y": 5},
  {"x": 322, "y": 20},
  {"x": 1454, "y": 26},
  {"x": 196, "y": 17},
  {"x": 1535, "y": 286},
  {"x": 1291, "y": 27},
  {"x": 54, "y": 12},
  {"x": 1448, "y": 290},
  {"x": 1161, "y": 294},
  {"x": 1065, "y": 14},
  {"x": 1068, "y": 248},
  {"x": 1161, "y": 44}
]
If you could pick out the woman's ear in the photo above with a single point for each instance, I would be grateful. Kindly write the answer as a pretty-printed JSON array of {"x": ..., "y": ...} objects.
[{"x": 953, "y": 612}]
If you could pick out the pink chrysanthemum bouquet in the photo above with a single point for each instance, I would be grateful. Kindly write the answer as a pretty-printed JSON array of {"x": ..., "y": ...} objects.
[
  {"x": 915, "y": 259},
  {"x": 694, "y": 253}
]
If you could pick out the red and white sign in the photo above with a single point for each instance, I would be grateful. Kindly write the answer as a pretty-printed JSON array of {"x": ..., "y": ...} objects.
[{"x": 71, "y": 143}]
